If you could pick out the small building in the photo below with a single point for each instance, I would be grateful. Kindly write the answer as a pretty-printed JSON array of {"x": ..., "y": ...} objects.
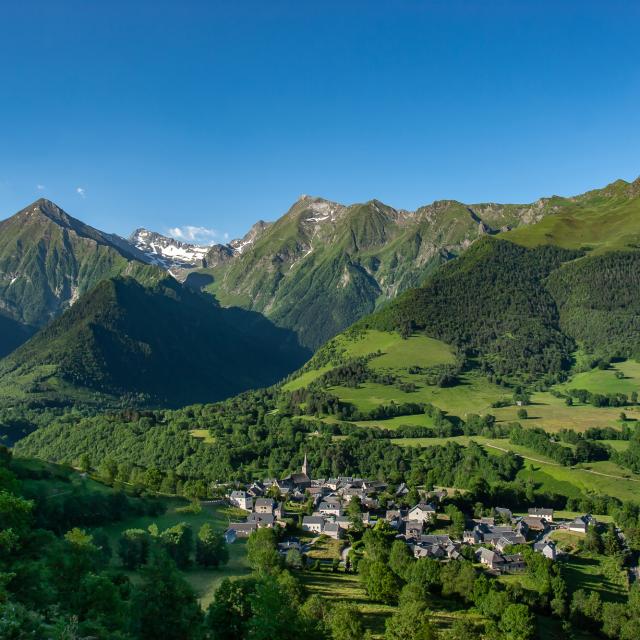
[
  {"x": 546, "y": 514},
  {"x": 422, "y": 512},
  {"x": 547, "y": 549},
  {"x": 263, "y": 520},
  {"x": 513, "y": 563},
  {"x": 490, "y": 559},
  {"x": 243, "y": 529},
  {"x": 264, "y": 505},
  {"x": 413, "y": 528},
  {"x": 580, "y": 524},
  {"x": 333, "y": 530},
  {"x": 330, "y": 508},
  {"x": 313, "y": 524},
  {"x": 535, "y": 524},
  {"x": 241, "y": 499},
  {"x": 472, "y": 536}
]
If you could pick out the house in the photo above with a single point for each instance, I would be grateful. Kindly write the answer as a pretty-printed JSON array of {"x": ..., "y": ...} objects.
[
  {"x": 288, "y": 545},
  {"x": 581, "y": 524},
  {"x": 343, "y": 522},
  {"x": 279, "y": 512},
  {"x": 422, "y": 512},
  {"x": 241, "y": 499},
  {"x": 264, "y": 505},
  {"x": 490, "y": 559},
  {"x": 547, "y": 549},
  {"x": 402, "y": 490},
  {"x": 333, "y": 530},
  {"x": 256, "y": 490},
  {"x": 513, "y": 563},
  {"x": 313, "y": 524},
  {"x": 413, "y": 528},
  {"x": 472, "y": 536},
  {"x": 507, "y": 540},
  {"x": 546, "y": 514},
  {"x": 330, "y": 508},
  {"x": 535, "y": 524},
  {"x": 263, "y": 520},
  {"x": 243, "y": 529}
]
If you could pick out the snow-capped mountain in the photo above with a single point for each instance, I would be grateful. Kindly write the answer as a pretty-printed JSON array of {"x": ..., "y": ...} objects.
[
  {"x": 170, "y": 253},
  {"x": 167, "y": 252}
]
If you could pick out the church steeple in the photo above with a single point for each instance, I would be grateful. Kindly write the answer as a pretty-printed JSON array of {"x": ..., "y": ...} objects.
[{"x": 305, "y": 466}]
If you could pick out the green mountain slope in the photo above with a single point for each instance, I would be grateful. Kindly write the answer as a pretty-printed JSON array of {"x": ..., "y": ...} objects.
[
  {"x": 48, "y": 259},
  {"x": 124, "y": 343},
  {"x": 322, "y": 266},
  {"x": 517, "y": 305}
]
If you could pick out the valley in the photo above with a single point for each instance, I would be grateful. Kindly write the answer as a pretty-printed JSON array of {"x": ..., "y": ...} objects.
[{"x": 501, "y": 384}]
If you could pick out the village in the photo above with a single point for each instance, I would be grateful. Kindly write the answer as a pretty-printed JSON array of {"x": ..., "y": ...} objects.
[{"x": 342, "y": 504}]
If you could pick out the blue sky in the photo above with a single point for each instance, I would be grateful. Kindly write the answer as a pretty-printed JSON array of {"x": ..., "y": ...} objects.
[{"x": 215, "y": 114}]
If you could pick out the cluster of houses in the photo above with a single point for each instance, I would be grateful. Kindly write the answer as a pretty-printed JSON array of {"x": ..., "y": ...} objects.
[{"x": 492, "y": 537}]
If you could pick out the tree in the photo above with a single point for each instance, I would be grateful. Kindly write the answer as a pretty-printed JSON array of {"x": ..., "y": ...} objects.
[
  {"x": 230, "y": 611},
  {"x": 164, "y": 606},
  {"x": 273, "y": 614},
  {"x": 400, "y": 559},
  {"x": 133, "y": 548},
  {"x": 458, "y": 578},
  {"x": 410, "y": 622},
  {"x": 463, "y": 629},
  {"x": 354, "y": 513},
  {"x": 458, "y": 521},
  {"x": 517, "y": 623},
  {"x": 380, "y": 583},
  {"x": 425, "y": 573},
  {"x": 522, "y": 414},
  {"x": 262, "y": 554},
  {"x": 177, "y": 541},
  {"x": 593, "y": 541},
  {"x": 345, "y": 622},
  {"x": 211, "y": 548}
]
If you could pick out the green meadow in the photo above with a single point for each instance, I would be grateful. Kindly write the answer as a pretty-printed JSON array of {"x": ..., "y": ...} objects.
[{"x": 203, "y": 581}]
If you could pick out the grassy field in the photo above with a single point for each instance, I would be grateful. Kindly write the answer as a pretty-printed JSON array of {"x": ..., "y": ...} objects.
[
  {"x": 595, "y": 573},
  {"x": 475, "y": 394},
  {"x": 397, "y": 354},
  {"x": 341, "y": 587},
  {"x": 552, "y": 414},
  {"x": 203, "y": 581},
  {"x": 202, "y": 434},
  {"x": 594, "y": 477},
  {"x": 605, "y": 381}
]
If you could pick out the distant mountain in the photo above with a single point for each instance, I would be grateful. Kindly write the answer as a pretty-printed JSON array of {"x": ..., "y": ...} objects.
[
  {"x": 48, "y": 259},
  {"x": 323, "y": 265},
  {"x": 524, "y": 301},
  {"x": 177, "y": 256},
  {"x": 167, "y": 252},
  {"x": 124, "y": 343}
]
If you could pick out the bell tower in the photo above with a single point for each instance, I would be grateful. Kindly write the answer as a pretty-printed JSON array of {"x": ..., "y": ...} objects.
[{"x": 305, "y": 466}]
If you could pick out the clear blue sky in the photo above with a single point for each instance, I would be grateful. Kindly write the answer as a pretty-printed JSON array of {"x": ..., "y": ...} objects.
[{"x": 214, "y": 114}]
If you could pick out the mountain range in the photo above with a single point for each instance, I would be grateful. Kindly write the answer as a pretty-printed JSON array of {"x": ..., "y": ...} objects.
[{"x": 151, "y": 320}]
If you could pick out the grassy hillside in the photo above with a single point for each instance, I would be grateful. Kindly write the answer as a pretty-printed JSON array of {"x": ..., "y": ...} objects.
[{"x": 322, "y": 266}]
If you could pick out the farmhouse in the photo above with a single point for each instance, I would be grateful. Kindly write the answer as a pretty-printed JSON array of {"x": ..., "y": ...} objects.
[
  {"x": 422, "y": 512},
  {"x": 241, "y": 499},
  {"x": 546, "y": 514},
  {"x": 314, "y": 524}
]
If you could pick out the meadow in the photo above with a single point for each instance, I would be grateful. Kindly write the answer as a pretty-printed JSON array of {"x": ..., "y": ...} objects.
[{"x": 203, "y": 581}]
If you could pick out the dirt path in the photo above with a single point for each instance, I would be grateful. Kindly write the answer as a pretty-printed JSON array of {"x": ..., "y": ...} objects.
[{"x": 493, "y": 446}]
